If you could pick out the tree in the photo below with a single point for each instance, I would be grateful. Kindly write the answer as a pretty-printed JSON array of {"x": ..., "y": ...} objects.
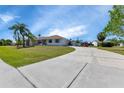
[
  {"x": 39, "y": 35},
  {"x": 77, "y": 41},
  {"x": 16, "y": 34},
  {"x": 8, "y": 42},
  {"x": 0, "y": 43},
  {"x": 31, "y": 38},
  {"x": 3, "y": 41},
  {"x": 21, "y": 32},
  {"x": 115, "y": 25},
  {"x": 101, "y": 36},
  {"x": 115, "y": 41}
]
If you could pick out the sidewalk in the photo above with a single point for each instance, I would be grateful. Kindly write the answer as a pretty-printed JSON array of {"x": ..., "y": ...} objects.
[{"x": 11, "y": 78}]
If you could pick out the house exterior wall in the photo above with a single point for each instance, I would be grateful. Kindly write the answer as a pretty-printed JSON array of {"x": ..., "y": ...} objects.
[
  {"x": 95, "y": 43},
  {"x": 74, "y": 43},
  {"x": 62, "y": 42},
  {"x": 121, "y": 44}
]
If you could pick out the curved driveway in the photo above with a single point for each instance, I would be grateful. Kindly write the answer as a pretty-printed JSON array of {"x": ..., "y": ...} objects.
[{"x": 85, "y": 67}]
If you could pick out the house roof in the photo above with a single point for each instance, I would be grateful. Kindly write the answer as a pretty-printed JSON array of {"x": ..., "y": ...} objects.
[
  {"x": 52, "y": 37},
  {"x": 55, "y": 37}
]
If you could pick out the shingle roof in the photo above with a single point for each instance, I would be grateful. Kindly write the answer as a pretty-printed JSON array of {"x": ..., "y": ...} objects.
[
  {"x": 52, "y": 37},
  {"x": 55, "y": 37}
]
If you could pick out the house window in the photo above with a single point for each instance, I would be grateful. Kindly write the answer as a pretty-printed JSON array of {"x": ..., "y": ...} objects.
[
  {"x": 50, "y": 40},
  {"x": 57, "y": 40}
]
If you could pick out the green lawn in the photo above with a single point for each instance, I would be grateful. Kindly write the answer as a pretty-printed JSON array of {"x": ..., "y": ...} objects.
[
  {"x": 25, "y": 56},
  {"x": 119, "y": 50}
]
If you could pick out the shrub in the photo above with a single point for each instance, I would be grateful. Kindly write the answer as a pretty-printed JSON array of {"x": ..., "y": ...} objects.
[{"x": 107, "y": 44}]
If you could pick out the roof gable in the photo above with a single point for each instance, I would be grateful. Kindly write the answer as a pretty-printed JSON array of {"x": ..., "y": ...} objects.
[
  {"x": 55, "y": 37},
  {"x": 52, "y": 37}
]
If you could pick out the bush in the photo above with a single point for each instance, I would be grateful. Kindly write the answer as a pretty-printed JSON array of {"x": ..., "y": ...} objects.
[{"x": 107, "y": 44}]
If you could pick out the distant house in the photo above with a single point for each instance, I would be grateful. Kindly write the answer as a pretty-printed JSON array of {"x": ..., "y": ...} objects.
[
  {"x": 95, "y": 43},
  {"x": 121, "y": 44},
  {"x": 75, "y": 43},
  {"x": 54, "y": 40}
]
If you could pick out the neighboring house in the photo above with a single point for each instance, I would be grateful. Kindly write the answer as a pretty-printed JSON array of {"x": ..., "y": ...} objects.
[
  {"x": 54, "y": 40},
  {"x": 121, "y": 44},
  {"x": 95, "y": 43},
  {"x": 75, "y": 43}
]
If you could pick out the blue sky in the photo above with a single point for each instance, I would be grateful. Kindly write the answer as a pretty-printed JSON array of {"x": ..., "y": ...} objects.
[{"x": 76, "y": 22}]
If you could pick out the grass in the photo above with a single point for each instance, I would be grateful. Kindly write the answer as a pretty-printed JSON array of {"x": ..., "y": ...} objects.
[
  {"x": 119, "y": 50},
  {"x": 25, "y": 56}
]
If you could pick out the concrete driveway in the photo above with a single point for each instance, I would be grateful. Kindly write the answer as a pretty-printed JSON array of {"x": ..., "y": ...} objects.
[{"x": 85, "y": 67}]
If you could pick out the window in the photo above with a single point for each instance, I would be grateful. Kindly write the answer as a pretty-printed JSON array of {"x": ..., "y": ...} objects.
[
  {"x": 57, "y": 40},
  {"x": 50, "y": 40}
]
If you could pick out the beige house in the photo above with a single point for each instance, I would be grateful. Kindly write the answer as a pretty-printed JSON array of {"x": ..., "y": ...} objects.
[
  {"x": 121, "y": 44},
  {"x": 54, "y": 40},
  {"x": 95, "y": 43}
]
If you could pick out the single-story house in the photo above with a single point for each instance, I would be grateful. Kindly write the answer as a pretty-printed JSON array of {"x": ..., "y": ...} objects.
[
  {"x": 75, "y": 43},
  {"x": 54, "y": 40},
  {"x": 121, "y": 44},
  {"x": 95, "y": 43}
]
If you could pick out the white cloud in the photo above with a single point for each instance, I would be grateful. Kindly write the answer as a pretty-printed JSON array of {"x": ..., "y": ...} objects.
[
  {"x": 48, "y": 17},
  {"x": 69, "y": 32},
  {"x": 103, "y": 9},
  {"x": 7, "y": 18}
]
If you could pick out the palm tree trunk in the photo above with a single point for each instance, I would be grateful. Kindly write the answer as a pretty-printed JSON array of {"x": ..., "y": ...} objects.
[
  {"x": 28, "y": 42},
  {"x": 23, "y": 40},
  {"x": 102, "y": 43},
  {"x": 17, "y": 43}
]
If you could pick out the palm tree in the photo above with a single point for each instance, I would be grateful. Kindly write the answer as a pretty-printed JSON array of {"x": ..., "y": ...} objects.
[
  {"x": 31, "y": 38},
  {"x": 21, "y": 32},
  {"x": 39, "y": 35}
]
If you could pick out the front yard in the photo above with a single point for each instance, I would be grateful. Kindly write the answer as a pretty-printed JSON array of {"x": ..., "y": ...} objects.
[
  {"x": 25, "y": 56},
  {"x": 119, "y": 50}
]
